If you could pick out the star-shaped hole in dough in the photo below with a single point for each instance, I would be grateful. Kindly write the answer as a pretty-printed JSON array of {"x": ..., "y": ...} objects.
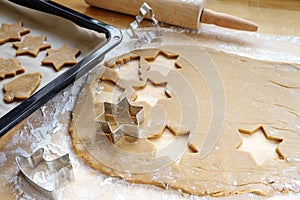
[
  {"x": 118, "y": 120},
  {"x": 31, "y": 45},
  {"x": 261, "y": 145},
  {"x": 151, "y": 93},
  {"x": 10, "y": 67},
  {"x": 61, "y": 57},
  {"x": 10, "y": 32},
  {"x": 160, "y": 61},
  {"x": 164, "y": 56}
]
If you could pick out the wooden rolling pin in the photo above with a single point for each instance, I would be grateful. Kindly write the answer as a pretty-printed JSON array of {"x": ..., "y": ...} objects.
[{"x": 185, "y": 13}]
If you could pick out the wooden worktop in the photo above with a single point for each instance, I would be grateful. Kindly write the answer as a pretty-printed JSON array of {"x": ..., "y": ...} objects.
[{"x": 273, "y": 17}]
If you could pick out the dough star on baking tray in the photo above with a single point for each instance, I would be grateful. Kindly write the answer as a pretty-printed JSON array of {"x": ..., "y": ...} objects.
[
  {"x": 10, "y": 32},
  {"x": 60, "y": 57},
  {"x": 31, "y": 45}
]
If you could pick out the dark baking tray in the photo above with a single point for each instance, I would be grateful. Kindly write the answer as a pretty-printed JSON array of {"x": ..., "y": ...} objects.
[{"x": 113, "y": 38}]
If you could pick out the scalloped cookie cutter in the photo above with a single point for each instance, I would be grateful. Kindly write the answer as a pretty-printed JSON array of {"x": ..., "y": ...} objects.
[
  {"x": 120, "y": 119},
  {"x": 144, "y": 36},
  {"x": 45, "y": 176}
]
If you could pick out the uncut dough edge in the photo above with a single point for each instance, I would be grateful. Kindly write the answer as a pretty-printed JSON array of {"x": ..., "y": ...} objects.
[{"x": 221, "y": 170}]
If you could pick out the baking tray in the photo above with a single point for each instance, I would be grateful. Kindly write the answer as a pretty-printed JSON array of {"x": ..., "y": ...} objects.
[{"x": 46, "y": 92}]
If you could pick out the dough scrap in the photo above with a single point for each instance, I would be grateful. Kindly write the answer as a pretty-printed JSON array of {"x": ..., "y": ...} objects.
[
  {"x": 22, "y": 87},
  {"x": 10, "y": 67},
  {"x": 31, "y": 45},
  {"x": 258, "y": 94},
  {"x": 61, "y": 57},
  {"x": 10, "y": 32}
]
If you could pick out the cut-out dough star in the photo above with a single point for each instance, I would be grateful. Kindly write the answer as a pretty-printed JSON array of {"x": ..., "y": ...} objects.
[
  {"x": 31, "y": 45},
  {"x": 10, "y": 67},
  {"x": 120, "y": 119},
  {"x": 261, "y": 146},
  {"x": 10, "y": 32},
  {"x": 61, "y": 56}
]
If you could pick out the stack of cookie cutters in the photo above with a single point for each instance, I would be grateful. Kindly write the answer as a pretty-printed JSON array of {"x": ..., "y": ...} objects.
[
  {"x": 43, "y": 175},
  {"x": 113, "y": 38}
]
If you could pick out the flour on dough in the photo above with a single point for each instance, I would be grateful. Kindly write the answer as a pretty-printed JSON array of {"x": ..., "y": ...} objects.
[{"x": 258, "y": 94}]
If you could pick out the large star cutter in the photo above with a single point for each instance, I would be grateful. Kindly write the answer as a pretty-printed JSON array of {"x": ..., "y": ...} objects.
[
  {"x": 60, "y": 168},
  {"x": 120, "y": 119}
]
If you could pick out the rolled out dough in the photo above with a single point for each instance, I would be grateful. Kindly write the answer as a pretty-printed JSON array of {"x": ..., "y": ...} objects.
[{"x": 261, "y": 98}]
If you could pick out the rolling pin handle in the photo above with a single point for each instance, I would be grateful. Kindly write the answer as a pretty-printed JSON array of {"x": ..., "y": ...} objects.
[{"x": 227, "y": 21}]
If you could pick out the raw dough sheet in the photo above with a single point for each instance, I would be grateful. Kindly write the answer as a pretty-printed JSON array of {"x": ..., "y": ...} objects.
[
  {"x": 261, "y": 100},
  {"x": 58, "y": 31}
]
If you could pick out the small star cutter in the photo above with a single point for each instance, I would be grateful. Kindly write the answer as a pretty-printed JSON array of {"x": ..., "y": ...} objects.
[
  {"x": 120, "y": 119},
  {"x": 35, "y": 168}
]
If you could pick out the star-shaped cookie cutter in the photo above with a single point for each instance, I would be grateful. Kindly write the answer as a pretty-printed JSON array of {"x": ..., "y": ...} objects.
[
  {"x": 45, "y": 176},
  {"x": 120, "y": 119}
]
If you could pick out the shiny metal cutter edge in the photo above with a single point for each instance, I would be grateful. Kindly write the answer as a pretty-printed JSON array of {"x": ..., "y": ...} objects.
[
  {"x": 146, "y": 36},
  {"x": 59, "y": 163},
  {"x": 124, "y": 129}
]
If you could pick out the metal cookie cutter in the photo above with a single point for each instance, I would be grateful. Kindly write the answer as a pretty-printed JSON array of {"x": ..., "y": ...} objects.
[
  {"x": 45, "y": 176},
  {"x": 144, "y": 36},
  {"x": 120, "y": 119}
]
